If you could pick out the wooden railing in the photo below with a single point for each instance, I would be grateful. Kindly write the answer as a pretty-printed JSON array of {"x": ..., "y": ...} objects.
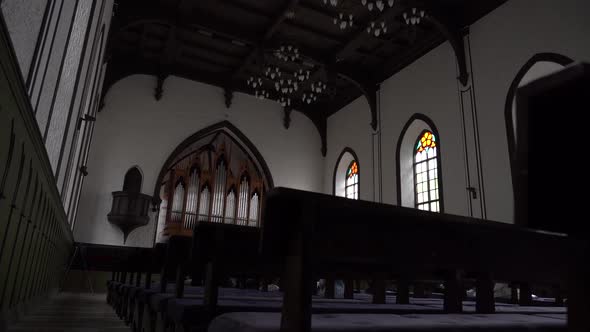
[{"x": 35, "y": 237}]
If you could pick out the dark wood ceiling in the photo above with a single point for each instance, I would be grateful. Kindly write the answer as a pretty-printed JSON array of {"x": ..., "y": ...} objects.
[{"x": 224, "y": 42}]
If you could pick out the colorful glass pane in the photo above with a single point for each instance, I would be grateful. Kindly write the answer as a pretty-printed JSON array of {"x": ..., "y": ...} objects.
[
  {"x": 426, "y": 173},
  {"x": 426, "y": 142},
  {"x": 352, "y": 170}
]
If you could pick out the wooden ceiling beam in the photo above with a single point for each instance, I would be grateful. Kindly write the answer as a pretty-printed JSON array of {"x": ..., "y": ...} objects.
[
  {"x": 267, "y": 36},
  {"x": 193, "y": 44},
  {"x": 299, "y": 26}
]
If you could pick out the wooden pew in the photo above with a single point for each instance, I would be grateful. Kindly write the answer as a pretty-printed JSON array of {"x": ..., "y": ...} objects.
[
  {"x": 216, "y": 252},
  {"x": 229, "y": 250},
  {"x": 313, "y": 233}
]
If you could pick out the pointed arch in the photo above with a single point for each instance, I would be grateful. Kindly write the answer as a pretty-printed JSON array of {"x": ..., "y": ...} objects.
[
  {"x": 221, "y": 171},
  {"x": 346, "y": 157},
  {"x": 224, "y": 126},
  {"x": 427, "y": 124},
  {"x": 133, "y": 180},
  {"x": 426, "y": 163}
]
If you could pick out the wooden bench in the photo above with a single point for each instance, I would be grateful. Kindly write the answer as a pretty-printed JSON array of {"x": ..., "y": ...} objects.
[{"x": 313, "y": 233}]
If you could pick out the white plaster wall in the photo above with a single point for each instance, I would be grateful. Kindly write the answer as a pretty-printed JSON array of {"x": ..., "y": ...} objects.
[
  {"x": 23, "y": 19},
  {"x": 135, "y": 129},
  {"x": 428, "y": 87},
  {"x": 501, "y": 43},
  {"x": 350, "y": 127}
]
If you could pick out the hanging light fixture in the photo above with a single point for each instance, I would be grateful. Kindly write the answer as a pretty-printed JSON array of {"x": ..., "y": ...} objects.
[
  {"x": 377, "y": 4},
  {"x": 287, "y": 53},
  {"x": 344, "y": 19},
  {"x": 414, "y": 17},
  {"x": 302, "y": 75},
  {"x": 285, "y": 101},
  {"x": 318, "y": 87},
  {"x": 309, "y": 97},
  {"x": 377, "y": 28}
]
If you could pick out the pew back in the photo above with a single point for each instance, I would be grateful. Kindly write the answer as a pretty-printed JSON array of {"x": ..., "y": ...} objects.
[{"x": 373, "y": 237}]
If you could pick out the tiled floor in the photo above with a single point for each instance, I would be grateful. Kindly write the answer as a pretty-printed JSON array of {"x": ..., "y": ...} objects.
[{"x": 72, "y": 313}]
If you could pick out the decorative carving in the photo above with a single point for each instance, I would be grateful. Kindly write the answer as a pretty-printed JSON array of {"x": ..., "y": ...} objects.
[
  {"x": 159, "y": 86},
  {"x": 455, "y": 38},
  {"x": 287, "y": 116},
  {"x": 229, "y": 96}
]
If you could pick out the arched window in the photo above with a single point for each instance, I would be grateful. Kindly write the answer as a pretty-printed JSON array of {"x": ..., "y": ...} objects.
[
  {"x": 347, "y": 175},
  {"x": 351, "y": 182},
  {"x": 426, "y": 161},
  {"x": 133, "y": 179}
]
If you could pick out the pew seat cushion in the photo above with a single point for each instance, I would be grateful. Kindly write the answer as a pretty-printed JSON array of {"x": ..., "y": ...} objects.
[
  {"x": 191, "y": 311},
  {"x": 270, "y": 322}
]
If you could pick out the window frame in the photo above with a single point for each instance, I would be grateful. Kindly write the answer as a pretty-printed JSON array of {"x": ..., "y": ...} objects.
[
  {"x": 426, "y": 161},
  {"x": 355, "y": 183}
]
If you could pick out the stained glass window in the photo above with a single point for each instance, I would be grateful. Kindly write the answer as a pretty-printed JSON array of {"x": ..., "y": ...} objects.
[
  {"x": 426, "y": 161},
  {"x": 352, "y": 181}
]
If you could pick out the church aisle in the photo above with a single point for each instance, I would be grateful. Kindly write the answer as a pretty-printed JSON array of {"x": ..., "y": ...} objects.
[{"x": 72, "y": 312}]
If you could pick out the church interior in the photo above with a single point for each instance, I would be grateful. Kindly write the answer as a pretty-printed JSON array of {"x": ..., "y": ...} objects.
[{"x": 293, "y": 165}]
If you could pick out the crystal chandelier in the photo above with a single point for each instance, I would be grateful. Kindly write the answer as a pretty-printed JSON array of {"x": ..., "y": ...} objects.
[
  {"x": 309, "y": 97},
  {"x": 343, "y": 20},
  {"x": 414, "y": 17},
  {"x": 377, "y": 28},
  {"x": 318, "y": 87},
  {"x": 285, "y": 101},
  {"x": 261, "y": 94},
  {"x": 256, "y": 83},
  {"x": 286, "y": 86},
  {"x": 302, "y": 75},
  {"x": 379, "y": 4},
  {"x": 272, "y": 72},
  {"x": 271, "y": 80},
  {"x": 287, "y": 53}
]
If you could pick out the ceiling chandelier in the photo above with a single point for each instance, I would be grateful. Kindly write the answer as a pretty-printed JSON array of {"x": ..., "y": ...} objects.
[
  {"x": 275, "y": 82},
  {"x": 343, "y": 22},
  {"x": 377, "y": 28},
  {"x": 309, "y": 97},
  {"x": 379, "y": 4},
  {"x": 344, "y": 19},
  {"x": 414, "y": 17},
  {"x": 287, "y": 53}
]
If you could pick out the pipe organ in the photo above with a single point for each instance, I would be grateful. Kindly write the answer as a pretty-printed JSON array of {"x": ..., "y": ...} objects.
[{"x": 216, "y": 182}]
